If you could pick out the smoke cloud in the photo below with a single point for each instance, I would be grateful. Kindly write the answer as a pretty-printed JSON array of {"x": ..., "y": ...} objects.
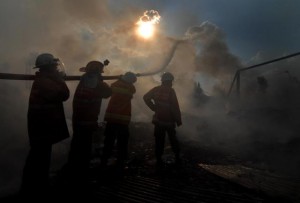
[
  {"x": 78, "y": 32},
  {"x": 214, "y": 57}
]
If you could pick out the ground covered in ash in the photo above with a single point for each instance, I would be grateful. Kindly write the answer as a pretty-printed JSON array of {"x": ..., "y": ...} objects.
[
  {"x": 209, "y": 172},
  {"x": 262, "y": 159}
]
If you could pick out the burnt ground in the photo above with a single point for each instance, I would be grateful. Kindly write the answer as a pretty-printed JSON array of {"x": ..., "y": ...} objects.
[
  {"x": 193, "y": 180},
  {"x": 197, "y": 179}
]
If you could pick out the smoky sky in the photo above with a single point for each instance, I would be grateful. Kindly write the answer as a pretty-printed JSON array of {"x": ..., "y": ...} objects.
[{"x": 217, "y": 38}]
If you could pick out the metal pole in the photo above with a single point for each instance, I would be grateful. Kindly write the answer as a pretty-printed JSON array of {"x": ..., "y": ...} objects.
[
  {"x": 11, "y": 76},
  {"x": 238, "y": 83},
  {"x": 271, "y": 61},
  {"x": 237, "y": 74},
  {"x": 232, "y": 83}
]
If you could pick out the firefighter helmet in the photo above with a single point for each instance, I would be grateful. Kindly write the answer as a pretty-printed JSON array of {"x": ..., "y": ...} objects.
[
  {"x": 166, "y": 76},
  {"x": 93, "y": 67},
  {"x": 129, "y": 77},
  {"x": 45, "y": 60}
]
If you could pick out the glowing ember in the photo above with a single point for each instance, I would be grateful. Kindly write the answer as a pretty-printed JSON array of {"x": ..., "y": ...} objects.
[{"x": 146, "y": 28}]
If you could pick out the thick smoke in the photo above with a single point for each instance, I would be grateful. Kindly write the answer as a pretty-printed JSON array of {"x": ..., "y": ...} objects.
[
  {"x": 265, "y": 116},
  {"x": 78, "y": 32},
  {"x": 214, "y": 56}
]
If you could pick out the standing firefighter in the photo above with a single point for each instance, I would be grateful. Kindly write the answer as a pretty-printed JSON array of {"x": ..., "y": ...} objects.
[
  {"x": 163, "y": 101},
  {"x": 46, "y": 123},
  {"x": 86, "y": 108},
  {"x": 118, "y": 115}
]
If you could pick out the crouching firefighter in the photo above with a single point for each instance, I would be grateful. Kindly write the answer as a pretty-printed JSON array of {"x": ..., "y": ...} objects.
[{"x": 163, "y": 101}]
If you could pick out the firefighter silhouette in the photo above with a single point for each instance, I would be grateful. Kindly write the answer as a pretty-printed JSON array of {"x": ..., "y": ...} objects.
[
  {"x": 86, "y": 108},
  {"x": 163, "y": 101},
  {"x": 118, "y": 116},
  {"x": 46, "y": 123}
]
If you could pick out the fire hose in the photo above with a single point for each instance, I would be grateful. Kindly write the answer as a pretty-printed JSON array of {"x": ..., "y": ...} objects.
[
  {"x": 166, "y": 62},
  {"x": 13, "y": 76}
]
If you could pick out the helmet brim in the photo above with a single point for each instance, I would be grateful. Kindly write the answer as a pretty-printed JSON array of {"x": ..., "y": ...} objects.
[{"x": 56, "y": 60}]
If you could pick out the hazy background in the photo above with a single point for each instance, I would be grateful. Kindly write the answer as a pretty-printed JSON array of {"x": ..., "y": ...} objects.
[{"x": 221, "y": 36}]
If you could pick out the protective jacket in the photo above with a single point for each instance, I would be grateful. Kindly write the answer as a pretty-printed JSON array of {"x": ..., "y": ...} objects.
[
  {"x": 88, "y": 99},
  {"x": 163, "y": 101},
  {"x": 119, "y": 106},
  {"x": 46, "y": 118}
]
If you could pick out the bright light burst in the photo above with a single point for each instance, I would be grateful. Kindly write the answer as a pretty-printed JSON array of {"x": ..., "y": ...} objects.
[{"x": 146, "y": 28}]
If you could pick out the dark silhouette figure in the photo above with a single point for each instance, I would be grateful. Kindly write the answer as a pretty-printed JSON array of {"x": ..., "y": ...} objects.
[
  {"x": 46, "y": 124},
  {"x": 163, "y": 101},
  {"x": 263, "y": 84},
  {"x": 118, "y": 116},
  {"x": 86, "y": 108},
  {"x": 199, "y": 95}
]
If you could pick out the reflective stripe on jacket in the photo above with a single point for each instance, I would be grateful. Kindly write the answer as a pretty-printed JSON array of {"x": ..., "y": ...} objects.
[
  {"x": 163, "y": 101},
  {"x": 119, "y": 106}
]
